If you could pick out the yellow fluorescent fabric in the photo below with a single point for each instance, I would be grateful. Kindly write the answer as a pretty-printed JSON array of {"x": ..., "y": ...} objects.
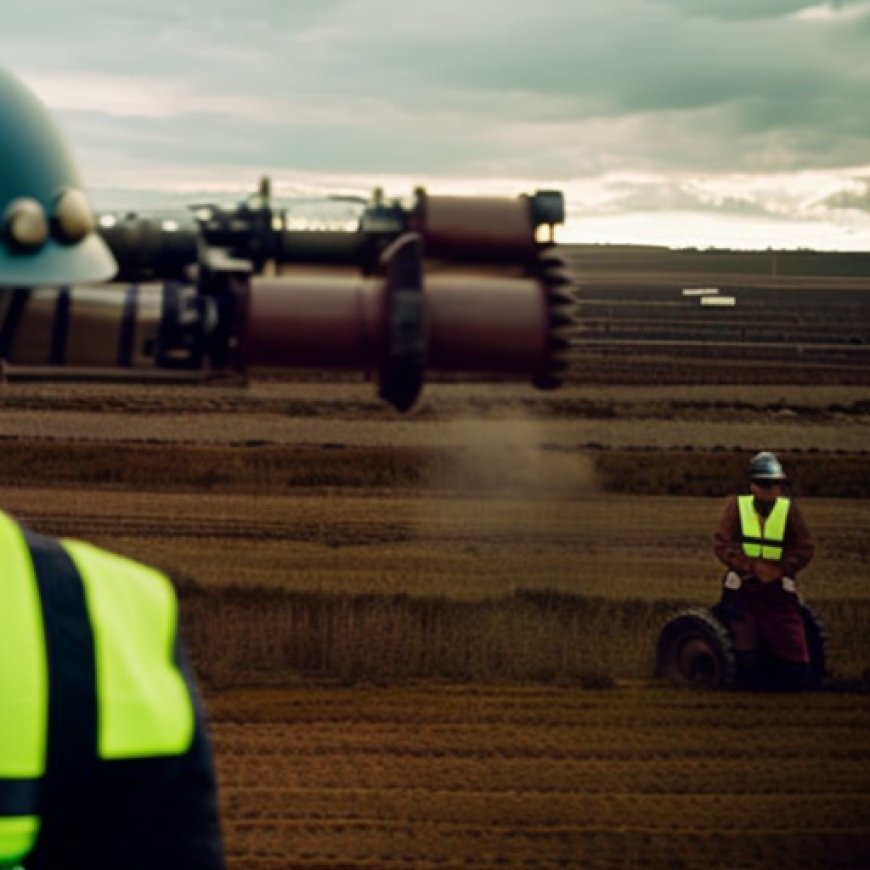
[
  {"x": 774, "y": 528},
  {"x": 145, "y": 708},
  {"x": 17, "y": 836},
  {"x": 23, "y": 685},
  {"x": 23, "y": 668}
]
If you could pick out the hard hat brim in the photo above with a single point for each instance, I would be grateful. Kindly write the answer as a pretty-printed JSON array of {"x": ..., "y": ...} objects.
[{"x": 56, "y": 264}]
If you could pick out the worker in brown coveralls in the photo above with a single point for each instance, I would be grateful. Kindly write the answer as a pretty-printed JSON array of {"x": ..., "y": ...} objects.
[{"x": 764, "y": 542}]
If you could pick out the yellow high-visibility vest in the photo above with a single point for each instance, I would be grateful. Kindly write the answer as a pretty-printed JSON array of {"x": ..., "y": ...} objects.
[
  {"x": 765, "y": 541},
  {"x": 144, "y": 708}
]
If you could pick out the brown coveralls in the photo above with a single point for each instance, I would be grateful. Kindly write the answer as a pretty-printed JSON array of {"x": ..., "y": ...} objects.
[{"x": 765, "y": 610}]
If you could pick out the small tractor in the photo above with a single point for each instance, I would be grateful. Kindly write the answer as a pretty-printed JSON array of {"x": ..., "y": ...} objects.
[{"x": 695, "y": 648}]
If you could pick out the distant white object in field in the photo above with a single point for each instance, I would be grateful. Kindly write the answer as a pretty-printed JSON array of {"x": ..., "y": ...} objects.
[
  {"x": 722, "y": 301},
  {"x": 700, "y": 291}
]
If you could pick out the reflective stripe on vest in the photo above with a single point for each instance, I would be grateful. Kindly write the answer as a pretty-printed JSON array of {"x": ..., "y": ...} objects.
[
  {"x": 23, "y": 697},
  {"x": 766, "y": 545},
  {"x": 144, "y": 708}
]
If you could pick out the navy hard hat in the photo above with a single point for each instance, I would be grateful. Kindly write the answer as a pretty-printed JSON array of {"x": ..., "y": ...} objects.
[
  {"x": 47, "y": 230},
  {"x": 765, "y": 466}
]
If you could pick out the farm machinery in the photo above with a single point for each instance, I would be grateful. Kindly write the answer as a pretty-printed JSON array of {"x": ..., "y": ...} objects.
[
  {"x": 696, "y": 648},
  {"x": 447, "y": 284}
]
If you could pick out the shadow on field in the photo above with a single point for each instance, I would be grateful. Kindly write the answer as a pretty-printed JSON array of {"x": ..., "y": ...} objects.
[{"x": 522, "y": 464}]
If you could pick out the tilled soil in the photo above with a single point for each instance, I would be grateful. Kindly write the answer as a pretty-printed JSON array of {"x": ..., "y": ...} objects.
[
  {"x": 488, "y": 513},
  {"x": 481, "y": 776}
]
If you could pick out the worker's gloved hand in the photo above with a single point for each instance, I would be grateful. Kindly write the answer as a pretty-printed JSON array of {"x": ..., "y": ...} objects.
[
  {"x": 766, "y": 572},
  {"x": 733, "y": 581}
]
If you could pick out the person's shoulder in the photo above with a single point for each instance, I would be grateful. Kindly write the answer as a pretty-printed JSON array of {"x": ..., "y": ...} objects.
[
  {"x": 729, "y": 509},
  {"x": 33, "y": 539}
]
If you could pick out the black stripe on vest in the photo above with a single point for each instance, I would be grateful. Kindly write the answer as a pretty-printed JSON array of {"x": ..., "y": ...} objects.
[
  {"x": 750, "y": 539},
  {"x": 72, "y": 691},
  {"x": 19, "y": 797}
]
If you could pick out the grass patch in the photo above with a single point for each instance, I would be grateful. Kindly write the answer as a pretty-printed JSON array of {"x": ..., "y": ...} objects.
[{"x": 245, "y": 636}]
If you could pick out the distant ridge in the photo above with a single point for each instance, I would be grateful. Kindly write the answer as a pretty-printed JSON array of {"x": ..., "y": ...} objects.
[
  {"x": 716, "y": 261},
  {"x": 632, "y": 248}
]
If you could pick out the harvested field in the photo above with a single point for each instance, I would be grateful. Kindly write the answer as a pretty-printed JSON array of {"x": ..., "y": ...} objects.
[
  {"x": 477, "y": 776},
  {"x": 427, "y": 640}
]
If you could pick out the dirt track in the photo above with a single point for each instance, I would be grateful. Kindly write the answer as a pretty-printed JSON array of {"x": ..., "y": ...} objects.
[{"x": 488, "y": 490}]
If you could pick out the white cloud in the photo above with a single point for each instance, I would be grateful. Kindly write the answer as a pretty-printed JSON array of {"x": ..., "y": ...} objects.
[
  {"x": 803, "y": 195},
  {"x": 835, "y": 13},
  {"x": 751, "y": 109},
  {"x": 105, "y": 93},
  {"x": 718, "y": 231}
]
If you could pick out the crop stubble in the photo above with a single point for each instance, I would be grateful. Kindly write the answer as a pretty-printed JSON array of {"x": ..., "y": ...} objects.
[
  {"x": 481, "y": 776},
  {"x": 527, "y": 542}
]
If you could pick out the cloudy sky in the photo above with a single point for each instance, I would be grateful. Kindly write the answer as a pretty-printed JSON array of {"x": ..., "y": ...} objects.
[{"x": 679, "y": 122}]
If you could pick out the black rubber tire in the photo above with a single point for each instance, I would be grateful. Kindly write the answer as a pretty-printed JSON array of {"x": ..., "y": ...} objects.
[
  {"x": 817, "y": 642},
  {"x": 695, "y": 649}
]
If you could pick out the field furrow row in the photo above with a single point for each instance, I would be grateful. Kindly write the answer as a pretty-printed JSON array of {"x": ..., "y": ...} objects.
[
  {"x": 671, "y": 776},
  {"x": 375, "y": 844}
]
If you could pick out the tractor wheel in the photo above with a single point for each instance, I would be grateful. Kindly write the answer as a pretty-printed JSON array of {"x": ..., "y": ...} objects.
[
  {"x": 817, "y": 640},
  {"x": 694, "y": 648}
]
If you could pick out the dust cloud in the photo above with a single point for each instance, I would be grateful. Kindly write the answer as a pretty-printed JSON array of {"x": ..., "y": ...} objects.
[
  {"x": 501, "y": 487},
  {"x": 512, "y": 460}
]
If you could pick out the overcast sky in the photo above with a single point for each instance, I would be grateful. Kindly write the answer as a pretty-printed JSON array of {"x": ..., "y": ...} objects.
[{"x": 682, "y": 122}]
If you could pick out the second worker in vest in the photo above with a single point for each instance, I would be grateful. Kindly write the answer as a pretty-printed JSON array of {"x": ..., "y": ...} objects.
[
  {"x": 104, "y": 758},
  {"x": 764, "y": 542}
]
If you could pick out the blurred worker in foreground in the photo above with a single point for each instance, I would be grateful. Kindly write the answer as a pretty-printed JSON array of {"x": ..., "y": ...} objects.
[
  {"x": 104, "y": 761},
  {"x": 764, "y": 542}
]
